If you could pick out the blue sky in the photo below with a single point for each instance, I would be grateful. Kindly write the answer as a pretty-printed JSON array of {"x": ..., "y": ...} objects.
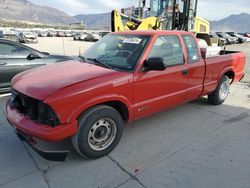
[{"x": 209, "y": 9}]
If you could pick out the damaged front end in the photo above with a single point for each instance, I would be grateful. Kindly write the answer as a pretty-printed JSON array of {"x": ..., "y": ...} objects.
[
  {"x": 39, "y": 113},
  {"x": 34, "y": 109}
]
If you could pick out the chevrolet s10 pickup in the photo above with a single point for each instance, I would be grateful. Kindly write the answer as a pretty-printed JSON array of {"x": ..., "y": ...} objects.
[{"x": 123, "y": 77}]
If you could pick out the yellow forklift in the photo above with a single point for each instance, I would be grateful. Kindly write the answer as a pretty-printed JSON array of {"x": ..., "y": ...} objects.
[
  {"x": 161, "y": 15},
  {"x": 167, "y": 15}
]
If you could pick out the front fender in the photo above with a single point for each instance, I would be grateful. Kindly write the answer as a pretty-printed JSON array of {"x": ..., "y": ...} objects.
[{"x": 100, "y": 100}]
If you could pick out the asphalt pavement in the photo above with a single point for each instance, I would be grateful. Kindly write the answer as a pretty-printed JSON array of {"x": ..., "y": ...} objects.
[{"x": 193, "y": 145}]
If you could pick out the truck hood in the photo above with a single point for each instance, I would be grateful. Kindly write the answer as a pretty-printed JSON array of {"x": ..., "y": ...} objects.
[{"x": 43, "y": 81}]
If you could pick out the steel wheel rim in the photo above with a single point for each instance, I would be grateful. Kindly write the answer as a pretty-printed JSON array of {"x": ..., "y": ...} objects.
[
  {"x": 102, "y": 134},
  {"x": 224, "y": 90}
]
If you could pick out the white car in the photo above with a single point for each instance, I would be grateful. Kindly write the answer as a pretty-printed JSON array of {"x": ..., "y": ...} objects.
[
  {"x": 80, "y": 36},
  {"x": 27, "y": 37}
]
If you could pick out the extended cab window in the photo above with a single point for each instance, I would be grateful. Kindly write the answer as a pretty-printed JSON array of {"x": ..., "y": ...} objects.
[
  {"x": 192, "y": 49},
  {"x": 169, "y": 48}
]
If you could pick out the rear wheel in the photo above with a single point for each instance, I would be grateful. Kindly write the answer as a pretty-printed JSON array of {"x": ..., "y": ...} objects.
[
  {"x": 221, "y": 92},
  {"x": 99, "y": 131}
]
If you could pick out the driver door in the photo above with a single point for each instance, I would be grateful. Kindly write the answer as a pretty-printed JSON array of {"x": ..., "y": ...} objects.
[
  {"x": 158, "y": 90},
  {"x": 13, "y": 60}
]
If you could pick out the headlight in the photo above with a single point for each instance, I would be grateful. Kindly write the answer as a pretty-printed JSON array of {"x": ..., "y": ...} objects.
[{"x": 46, "y": 115}]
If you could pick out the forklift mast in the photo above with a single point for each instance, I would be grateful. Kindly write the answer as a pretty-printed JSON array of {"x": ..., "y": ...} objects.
[
  {"x": 161, "y": 15},
  {"x": 176, "y": 14}
]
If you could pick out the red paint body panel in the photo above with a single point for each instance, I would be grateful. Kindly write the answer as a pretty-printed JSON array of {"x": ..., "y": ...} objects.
[
  {"x": 216, "y": 67},
  {"x": 72, "y": 87}
]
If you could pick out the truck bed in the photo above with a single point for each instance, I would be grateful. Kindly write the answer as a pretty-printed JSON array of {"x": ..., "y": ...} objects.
[{"x": 231, "y": 62}]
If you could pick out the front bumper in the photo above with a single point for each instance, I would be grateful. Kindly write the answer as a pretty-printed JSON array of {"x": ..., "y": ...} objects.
[
  {"x": 48, "y": 155},
  {"x": 26, "y": 130},
  {"x": 43, "y": 132}
]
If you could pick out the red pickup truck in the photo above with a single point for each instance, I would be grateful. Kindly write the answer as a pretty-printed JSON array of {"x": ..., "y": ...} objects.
[{"x": 123, "y": 77}]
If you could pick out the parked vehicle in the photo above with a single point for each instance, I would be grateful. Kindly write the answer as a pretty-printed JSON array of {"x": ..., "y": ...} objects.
[
  {"x": 43, "y": 34},
  {"x": 241, "y": 38},
  {"x": 80, "y": 36},
  {"x": 35, "y": 33},
  {"x": 68, "y": 34},
  {"x": 123, "y": 77},
  {"x": 51, "y": 34},
  {"x": 60, "y": 34},
  {"x": 247, "y": 35},
  {"x": 15, "y": 58},
  {"x": 27, "y": 37},
  {"x": 92, "y": 37},
  {"x": 221, "y": 41},
  {"x": 230, "y": 40},
  {"x": 11, "y": 35}
]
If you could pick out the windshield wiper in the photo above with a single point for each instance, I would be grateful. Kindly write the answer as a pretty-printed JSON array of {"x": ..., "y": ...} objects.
[{"x": 100, "y": 62}]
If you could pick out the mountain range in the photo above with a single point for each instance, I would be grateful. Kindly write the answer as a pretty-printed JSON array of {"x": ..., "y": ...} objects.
[
  {"x": 236, "y": 23},
  {"x": 24, "y": 10},
  {"x": 95, "y": 21}
]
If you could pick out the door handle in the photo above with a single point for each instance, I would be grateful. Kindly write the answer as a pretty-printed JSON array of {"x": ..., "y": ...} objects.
[
  {"x": 2, "y": 63},
  {"x": 184, "y": 72}
]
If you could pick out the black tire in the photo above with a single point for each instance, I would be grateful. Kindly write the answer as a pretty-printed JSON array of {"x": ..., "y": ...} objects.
[
  {"x": 215, "y": 98},
  {"x": 86, "y": 122}
]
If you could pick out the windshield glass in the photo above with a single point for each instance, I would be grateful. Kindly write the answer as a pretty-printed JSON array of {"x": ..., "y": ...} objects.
[{"x": 118, "y": 51}]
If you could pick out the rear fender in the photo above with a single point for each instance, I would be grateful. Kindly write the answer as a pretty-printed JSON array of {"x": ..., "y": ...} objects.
[{"x": 227, "y": 69}]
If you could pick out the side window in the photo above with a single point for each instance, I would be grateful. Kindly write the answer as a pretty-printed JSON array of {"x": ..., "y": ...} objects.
[
  {"x": 10, "y": 50},
  {"x": 169, "y": 48},
  {"x": 192, "y": 49},
  {"x": 6, "y": 49}
]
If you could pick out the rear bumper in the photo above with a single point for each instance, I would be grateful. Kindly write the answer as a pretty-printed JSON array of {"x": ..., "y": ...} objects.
[{"x": 43, "y": 132}]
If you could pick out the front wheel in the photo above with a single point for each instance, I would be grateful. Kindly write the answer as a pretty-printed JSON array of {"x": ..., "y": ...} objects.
[
  {"x": 99, "y": 131},
  {"x": 221, "y": 92}
]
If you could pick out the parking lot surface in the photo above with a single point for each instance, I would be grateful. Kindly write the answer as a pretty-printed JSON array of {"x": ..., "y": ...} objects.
[{"x": 193, "y": 145}]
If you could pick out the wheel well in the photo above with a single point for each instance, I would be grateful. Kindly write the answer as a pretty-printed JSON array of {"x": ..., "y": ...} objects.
[
  {"x": 230, "y": 75},
  {"x": 120, "y": 107}
]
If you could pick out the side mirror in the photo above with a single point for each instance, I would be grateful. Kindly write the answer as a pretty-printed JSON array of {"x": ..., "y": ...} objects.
[
  {"x": 33, "y": 56},
  {"x": 154, "y": 63}
]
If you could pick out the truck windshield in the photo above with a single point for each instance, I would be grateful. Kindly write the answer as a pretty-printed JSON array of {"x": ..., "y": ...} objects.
[{"x": 117, "y": 51}]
